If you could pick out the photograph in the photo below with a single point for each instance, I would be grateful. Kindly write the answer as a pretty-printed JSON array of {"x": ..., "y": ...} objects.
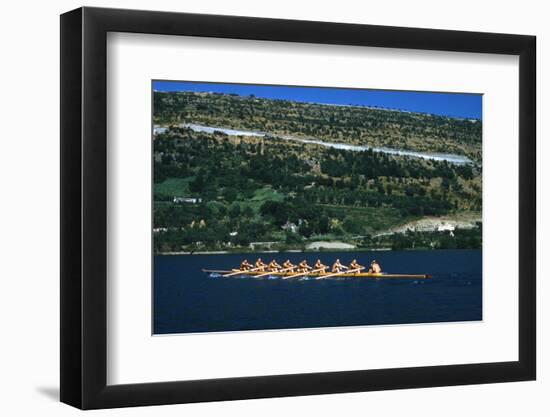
[
  {"x": 291, "y": 207},
  {"x": 266, "y": 209}
]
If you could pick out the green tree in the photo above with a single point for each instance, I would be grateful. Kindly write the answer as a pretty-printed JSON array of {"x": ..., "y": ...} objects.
[
  {"x": 229, "y": 194},
  {"x": 351, "y": 225},
  {"x": 248, "y": 212},
  {"x": 234, "y": 210},
  {"x": 324, "y": 224}
]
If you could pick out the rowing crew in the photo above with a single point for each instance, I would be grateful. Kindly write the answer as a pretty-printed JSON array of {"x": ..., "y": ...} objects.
[{"x": 319, "y": 267}]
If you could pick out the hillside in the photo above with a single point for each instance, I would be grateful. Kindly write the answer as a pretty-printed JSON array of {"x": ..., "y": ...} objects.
[
  {"x": 346, "y": 124},
  {"x": 246, "y": 191}
]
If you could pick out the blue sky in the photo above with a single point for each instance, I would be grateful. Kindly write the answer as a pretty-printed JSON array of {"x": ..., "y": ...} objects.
[{"x": 446, "y": 104}]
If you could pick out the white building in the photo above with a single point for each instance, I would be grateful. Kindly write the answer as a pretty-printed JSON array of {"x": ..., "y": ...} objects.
[
  {"x": 290, "y": 227},
  {"x": 188, "y": 200},
  {"x": 445, "y": 227}
]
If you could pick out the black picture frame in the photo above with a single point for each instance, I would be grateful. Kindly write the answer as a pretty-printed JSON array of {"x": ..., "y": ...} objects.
[{"x": 84, "y": 207}]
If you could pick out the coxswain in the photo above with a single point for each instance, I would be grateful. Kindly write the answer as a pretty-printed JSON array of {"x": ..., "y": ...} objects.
[
  {"x": 338, "y": 267},
  {"x": 320, "y": 267},
  {"x": 303, "y": 266},
  {"x": 260, "y": 266},
  {"x": 355, "y": 265},
  {"x": 287, "y": 265},
  {"x": 273, "y": 266},
  {"x": 375, "y": 268},
  {"x": 245, "y": 265}
]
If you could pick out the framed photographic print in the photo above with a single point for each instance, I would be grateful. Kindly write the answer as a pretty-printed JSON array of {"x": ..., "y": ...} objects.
[{"x": 257, "y": 208}]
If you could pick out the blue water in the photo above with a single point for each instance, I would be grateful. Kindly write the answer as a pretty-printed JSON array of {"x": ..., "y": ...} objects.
[{"x": 189, "y": 300}]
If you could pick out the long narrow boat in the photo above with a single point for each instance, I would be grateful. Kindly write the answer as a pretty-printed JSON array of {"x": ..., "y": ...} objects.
[{"x": 318, "y": 275}]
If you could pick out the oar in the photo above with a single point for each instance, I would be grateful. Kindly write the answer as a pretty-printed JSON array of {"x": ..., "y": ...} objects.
[
  {"x": 349, "y": 271},
  {"x": 274, "y": 272},
  {"x": 216, "y": 271},
  {"x": 240, "y": 272},
  {"x": 303, "y": 273}
]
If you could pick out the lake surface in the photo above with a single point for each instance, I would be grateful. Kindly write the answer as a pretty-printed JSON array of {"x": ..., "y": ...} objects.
[
  {"x": 452, "y": 158},
  {"x": 189, "y": 300}
]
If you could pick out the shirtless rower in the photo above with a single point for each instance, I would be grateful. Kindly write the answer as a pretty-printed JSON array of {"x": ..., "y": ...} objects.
[
  {"x": 288, "y": 265},
  {"x": 245, "y": 265},
  {"x": 375, "y": 268},
  {"x": 338, "y": 267},
  {"x": 355, "y": 265},
  {"x": 260, "y": 266},
  {"x": 320, "y": 266},
  {"x": 303, "y": 266},
  {"x": 273, "y": 266}
]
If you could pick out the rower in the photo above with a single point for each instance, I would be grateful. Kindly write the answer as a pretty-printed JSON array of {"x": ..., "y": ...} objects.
[
  {"x": 273, "y": 266},
  {"x": 260, "y": 266},
  {"x": 338, "y": 267},
  {"x": 320, "y": 267},
  {"x": 303, "y": 266},
  {"x": 355, "y": 265},
  {"x": 375, "y": 268},
  {"x": 245, "y": 265},
  {"x": 288, "y": 265}
]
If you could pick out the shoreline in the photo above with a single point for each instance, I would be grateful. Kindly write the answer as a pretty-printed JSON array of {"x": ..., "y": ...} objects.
[{"x": 189, "y": 253}]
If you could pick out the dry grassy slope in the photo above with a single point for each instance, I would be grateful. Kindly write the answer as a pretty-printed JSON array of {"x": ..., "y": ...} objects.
[{"x": 346, "y": 124}]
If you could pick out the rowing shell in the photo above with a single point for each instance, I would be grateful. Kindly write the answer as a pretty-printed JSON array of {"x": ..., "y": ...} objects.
[{"x": 318, "y": 275}]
